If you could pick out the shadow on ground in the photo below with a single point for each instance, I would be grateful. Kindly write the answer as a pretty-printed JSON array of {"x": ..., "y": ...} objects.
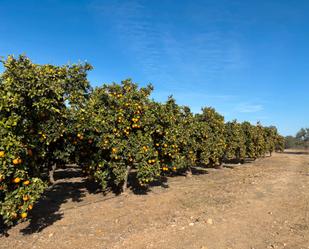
[
  {"x": 71, "y": 186},
  {"x": 296, "y": 152},
  {"x": 47, "y": 210}
]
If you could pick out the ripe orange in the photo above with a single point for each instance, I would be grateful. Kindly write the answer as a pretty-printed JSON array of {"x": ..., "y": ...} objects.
[
  {"x": 16, "y": 161},
  {"x": 24, "y": 215},
  {"x": 25, "y": 197},
  {"x": 26, "y": 182},
  {"x": 16, "y": 180},
  {"x": 30, "y": 207},
  {"x": 2, "y": 153}
]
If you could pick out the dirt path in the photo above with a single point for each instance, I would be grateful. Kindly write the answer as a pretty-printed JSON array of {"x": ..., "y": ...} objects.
[{"x": 259, "y": 205}]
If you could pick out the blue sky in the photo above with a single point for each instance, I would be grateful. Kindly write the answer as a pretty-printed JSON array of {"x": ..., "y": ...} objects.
[{"x": 248, "y": 59}]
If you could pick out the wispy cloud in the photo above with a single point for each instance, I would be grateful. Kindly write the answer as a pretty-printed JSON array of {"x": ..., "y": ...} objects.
[
  {"x": 249, "y": 108},
  {"x": 135, "y": 30},
  {"x": 165, "y": 54}
]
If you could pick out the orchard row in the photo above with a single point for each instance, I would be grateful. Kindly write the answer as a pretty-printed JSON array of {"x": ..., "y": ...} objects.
[{"x": 50, "y": 115}]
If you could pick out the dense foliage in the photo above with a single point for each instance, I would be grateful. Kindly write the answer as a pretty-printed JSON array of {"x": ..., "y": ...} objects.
[
  {"x": 50, "y": 115},
  {"x": 34, "y": 116}
]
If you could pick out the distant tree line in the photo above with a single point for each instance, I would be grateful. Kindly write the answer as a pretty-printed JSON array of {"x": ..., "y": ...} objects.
[{"x": 301, "y": 139}]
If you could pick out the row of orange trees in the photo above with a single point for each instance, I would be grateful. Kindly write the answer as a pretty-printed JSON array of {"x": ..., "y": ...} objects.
[{"x": 49, "y": 115}]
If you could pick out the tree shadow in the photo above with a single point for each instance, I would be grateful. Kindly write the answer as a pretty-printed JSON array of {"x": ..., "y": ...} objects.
[
  {"x": 235, "y": 161},
  {"x": 199, "y": 171},
  {"x": 48, "y": 209},
  {"x": 296, "y": 152},
  {"x": 3, "y": 229},
  {"x": 72, "y": 187},
  {"x": 230, "y": 166},
  {"x": 66, "y": 173},
  {"x": 137, "y": 189}
]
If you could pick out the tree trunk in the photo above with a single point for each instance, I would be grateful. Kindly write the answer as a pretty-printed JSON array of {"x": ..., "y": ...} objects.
[
  {"x": 51, "y": 173},
  {"x": 219, "y": 166},
  {"x": 125, "y": 183},
  {"x": 189, "y": 172}
]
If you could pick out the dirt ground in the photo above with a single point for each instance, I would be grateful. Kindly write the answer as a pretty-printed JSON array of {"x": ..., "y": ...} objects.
[{"x": 263, "y": 204}]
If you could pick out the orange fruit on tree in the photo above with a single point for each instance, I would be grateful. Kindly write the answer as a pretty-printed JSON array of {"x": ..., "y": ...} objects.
[
  {"x": 16, "y": 161},
  {"x": 2, "y": 153},
  {"x": 26, "y": 182},
  {"x": 16, "y": 180},
  {"x": 30, "y": 207},
  {"x": 24, "y": 215},
  {"x": 25, "y": 197}
]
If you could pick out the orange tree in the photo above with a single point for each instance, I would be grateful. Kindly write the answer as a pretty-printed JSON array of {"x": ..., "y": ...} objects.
[
  {"x": 270, "y": 137},
  {"x": 235, "y": 142},
  {"x": 117, "y": 136},
  {"x": 34, "y": 107},
  {"x": 259, "y": 140},
  {"x": 211, "y": 141},
  {"x": 127, "y": 131},
  {"x": 173, "y": 133},
  {"x": 250, "y": 132},
  {"x": 280, "y": 143},
  {"x": 188, "y": 143}
]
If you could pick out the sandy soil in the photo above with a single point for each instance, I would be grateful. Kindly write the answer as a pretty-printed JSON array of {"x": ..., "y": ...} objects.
[{"x": 263, "y": 204}]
